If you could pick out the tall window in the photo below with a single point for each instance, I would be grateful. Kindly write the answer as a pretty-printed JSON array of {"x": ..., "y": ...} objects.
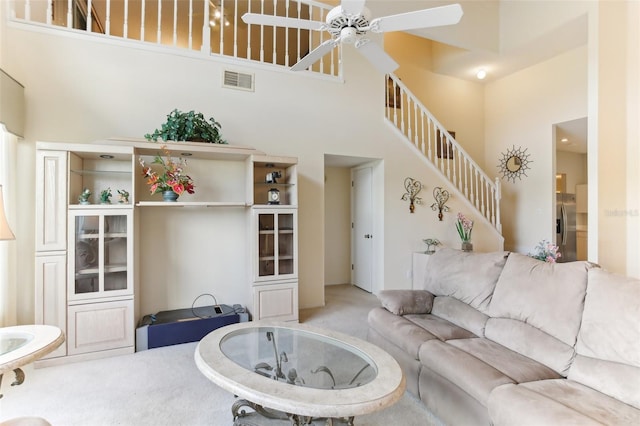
[{"x": 8, "y": 258}]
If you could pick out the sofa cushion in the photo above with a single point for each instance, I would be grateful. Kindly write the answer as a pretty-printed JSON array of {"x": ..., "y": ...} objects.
[
  {"x": 401, "y": 302},
  {"x": 557, "y": 402},
  {"x": 441, "y": 328},
  {"x": 467, "y": 276},
  {"x": 608, "y": 345},
  {"x": 548, "y": 296},
  {"x": 517, "y": 367},
  {"x": 398, "y": 330},
  {"x": 460, "y": 314},
  {"x": 478, "y": 365},
  {"x": 531, "y": 342}
]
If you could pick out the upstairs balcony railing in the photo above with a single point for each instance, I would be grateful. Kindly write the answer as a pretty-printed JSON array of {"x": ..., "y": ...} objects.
[{"x": 210, "y": 27}]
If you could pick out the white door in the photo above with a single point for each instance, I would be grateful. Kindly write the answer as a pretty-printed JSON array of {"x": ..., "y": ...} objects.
[{"x": 361, "y": 229}]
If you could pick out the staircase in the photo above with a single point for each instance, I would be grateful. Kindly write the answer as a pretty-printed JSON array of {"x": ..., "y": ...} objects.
[{"x": 433, "y": 143}]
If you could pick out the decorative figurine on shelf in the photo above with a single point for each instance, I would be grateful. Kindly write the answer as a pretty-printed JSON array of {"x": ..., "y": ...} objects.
[
  {"x": 83, "y": 198},
  {"x": 123, "y": 196},
  {"x": 105, "y": 196},
  {"x": 272, "y": 177},
  {"x": 273, "y": 196},
  {"x": 431, "y": 245}
]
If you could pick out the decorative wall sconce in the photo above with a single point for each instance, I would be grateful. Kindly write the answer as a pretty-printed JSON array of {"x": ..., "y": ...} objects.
[
  {"x": 441, "y": 196},
  {"x": 513, "y": 163},
  {"x": 413, "y": 187}
]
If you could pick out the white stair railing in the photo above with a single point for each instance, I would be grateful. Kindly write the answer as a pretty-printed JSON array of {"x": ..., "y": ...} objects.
[
  {"x": 209, "y": 27},
  {"x": 410, "y": 117}
]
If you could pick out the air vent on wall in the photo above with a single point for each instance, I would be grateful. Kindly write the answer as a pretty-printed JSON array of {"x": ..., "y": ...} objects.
[{"x": 237, "y": 80}]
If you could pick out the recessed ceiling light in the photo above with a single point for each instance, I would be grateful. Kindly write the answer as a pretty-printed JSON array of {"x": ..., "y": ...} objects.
[
  {"x": 564, "y": 140},
  {"x": 481, "y": 74},
  {"x": 106, "y": 156}
]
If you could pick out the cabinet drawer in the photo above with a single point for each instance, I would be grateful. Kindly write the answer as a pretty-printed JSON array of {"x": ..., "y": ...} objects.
[
  {"x": 100, "y": 326},
  {"x": 276, "y": 301}
]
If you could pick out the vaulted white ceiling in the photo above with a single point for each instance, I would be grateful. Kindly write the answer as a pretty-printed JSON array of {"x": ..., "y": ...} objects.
[{"x": 501, "y": 36}]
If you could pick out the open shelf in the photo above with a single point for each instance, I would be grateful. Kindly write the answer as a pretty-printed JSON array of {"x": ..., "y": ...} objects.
[{"x": 191, "y": 204}]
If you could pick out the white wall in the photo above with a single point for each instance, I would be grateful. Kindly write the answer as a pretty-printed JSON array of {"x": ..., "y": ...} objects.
[
  {"x": 614, "y": 207},
  {"x": 633, "y": 141},
  {"x": 81, "y": 91},
  {"x": 520, "y": 111}
]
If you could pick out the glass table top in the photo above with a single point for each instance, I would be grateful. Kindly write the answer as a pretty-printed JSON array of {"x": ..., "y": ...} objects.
[
  {"x": 299, "y": 357},
  {"x": 11, "y": 341}
]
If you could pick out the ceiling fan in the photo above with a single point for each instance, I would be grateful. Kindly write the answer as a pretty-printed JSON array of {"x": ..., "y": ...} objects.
[{"x": 350, "y": 22}]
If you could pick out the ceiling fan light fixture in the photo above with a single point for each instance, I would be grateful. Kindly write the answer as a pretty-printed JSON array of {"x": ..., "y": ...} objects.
[{"x": 348, "y": 35}]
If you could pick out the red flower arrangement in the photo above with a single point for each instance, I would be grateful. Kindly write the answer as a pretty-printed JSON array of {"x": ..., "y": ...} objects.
[{"x": 172, "y": 178}]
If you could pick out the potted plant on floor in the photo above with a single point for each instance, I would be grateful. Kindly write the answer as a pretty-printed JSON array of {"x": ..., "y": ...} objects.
[{"x": 188, "y": 126}]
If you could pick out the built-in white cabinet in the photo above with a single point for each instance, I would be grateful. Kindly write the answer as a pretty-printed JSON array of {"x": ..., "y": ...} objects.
[
  {"x": 87, "y": 280},
  {"x": 275, "y": 271},
  {"x": 85, "y": 250},
  {"x": 274, "y": 237}
]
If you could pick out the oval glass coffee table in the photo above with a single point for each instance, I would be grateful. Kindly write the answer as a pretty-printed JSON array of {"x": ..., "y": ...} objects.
[{"x": 298, "y": 372}]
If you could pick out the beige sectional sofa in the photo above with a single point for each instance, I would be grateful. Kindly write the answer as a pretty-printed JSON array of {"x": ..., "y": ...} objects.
[{"x": 504, "y": 339}]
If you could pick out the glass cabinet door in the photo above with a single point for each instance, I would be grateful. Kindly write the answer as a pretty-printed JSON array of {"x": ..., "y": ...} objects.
[
  {"x": 276, "y": 245},
  {"x": 100, "y": 253},
  {"x": 285, "y": 244},
  {"x": 266, "y": 245}
]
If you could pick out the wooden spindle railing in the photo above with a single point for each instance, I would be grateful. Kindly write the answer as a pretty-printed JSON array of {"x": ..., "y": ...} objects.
[
  {"x": 212, "y": 27},
  {"x": 438, "y": 148}
]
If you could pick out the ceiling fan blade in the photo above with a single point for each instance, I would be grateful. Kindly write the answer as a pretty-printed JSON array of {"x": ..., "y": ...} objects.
[
  {"x": 353, "y": 7},
  {"x": 434, "y": 17},
  {"x": 281, "y": 21},
  {"x": 315, "y": 55},
  {"x": 377, "y": 56}
]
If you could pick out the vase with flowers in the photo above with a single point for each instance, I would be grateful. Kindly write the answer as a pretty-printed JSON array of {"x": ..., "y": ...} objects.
[
  {"x": 171, "y": 181},
  {"x": 464, "y": 226},
  {"x": 546, "y": 251}
]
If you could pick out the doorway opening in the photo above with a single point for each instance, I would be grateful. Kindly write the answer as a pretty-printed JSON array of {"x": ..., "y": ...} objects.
[
  {"x": 571, "y": 176},
  {"x": 353, "y": 193}
]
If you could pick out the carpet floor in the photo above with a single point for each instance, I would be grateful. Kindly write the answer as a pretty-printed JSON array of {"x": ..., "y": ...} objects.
[{"x": 162, "y": 386}]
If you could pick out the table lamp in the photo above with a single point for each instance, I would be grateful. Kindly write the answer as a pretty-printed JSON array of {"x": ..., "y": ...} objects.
[{"x": 5, "y": 231}]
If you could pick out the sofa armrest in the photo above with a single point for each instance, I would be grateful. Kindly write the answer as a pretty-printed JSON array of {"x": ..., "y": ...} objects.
[{"x": 403, "y": 302}]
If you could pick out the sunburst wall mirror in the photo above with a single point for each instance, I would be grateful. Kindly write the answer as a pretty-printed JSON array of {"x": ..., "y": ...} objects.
[{"x": 514, "y": 163}]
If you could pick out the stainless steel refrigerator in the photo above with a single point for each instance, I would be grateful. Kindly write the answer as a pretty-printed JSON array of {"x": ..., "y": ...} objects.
[{"x": 566, "y": 226}]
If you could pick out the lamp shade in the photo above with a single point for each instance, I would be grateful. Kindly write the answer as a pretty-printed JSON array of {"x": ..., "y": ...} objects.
[{"x": 5, "y": 231}]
